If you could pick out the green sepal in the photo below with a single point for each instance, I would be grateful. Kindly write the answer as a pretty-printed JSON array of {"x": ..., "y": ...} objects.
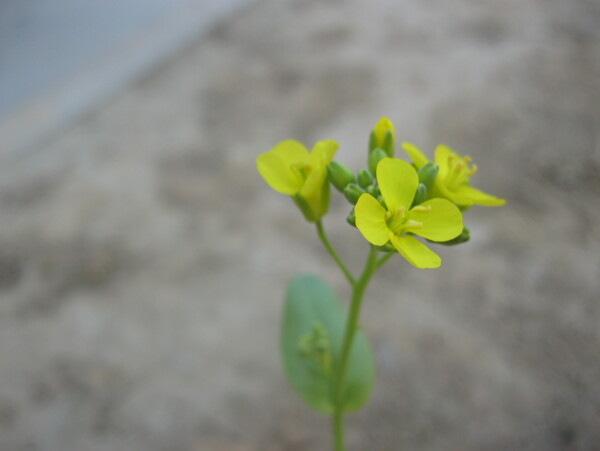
[
  {"x": 374, "y": 158},
  {"x": 365, "y": 178},
  {"x": 386, "y": 248},
  {"x": 372, "y": 142},
  {"x": 304, "y": 208},
  {"x": 340, "y": 175},
  {"x": 427, "y": 174},
  {"x": 420, "y": 195},
  {"x": 462, "y": 238},
  {"x": 351, "y": 218},
  {"x": 353, "y": 192},
  {"x": 388, "y": 144},
  {"x": 311, "y": 301},
  {"x": 312, "y": 213}
]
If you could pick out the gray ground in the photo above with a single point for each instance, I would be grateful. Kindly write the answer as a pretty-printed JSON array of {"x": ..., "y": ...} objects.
[{"x": 143, "y": 260}]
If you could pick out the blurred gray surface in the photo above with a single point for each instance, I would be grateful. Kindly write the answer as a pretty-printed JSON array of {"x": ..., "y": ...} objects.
[
  {"x": 42, "y": 42},
  {"x": 143, "y": 259},
  {"x": 60, "y": 58}
]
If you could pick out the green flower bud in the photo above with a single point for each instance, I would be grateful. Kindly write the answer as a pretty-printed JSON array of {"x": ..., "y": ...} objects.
[
  {"x": 373, "y": 190},
  {"x": 427, "y": 174},
  {"x": 340, "y": 175},
  {"x": 365, "y": 178},
  {"x": 462, "y": 238},
  {"x": 351, "y": 219},
  {"x": 420, "y": 195},
  {"x": 374, "y": 158},
  {"x": 353, "y": 192}
]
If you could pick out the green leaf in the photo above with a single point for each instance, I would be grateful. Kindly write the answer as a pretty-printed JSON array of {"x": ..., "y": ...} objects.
[{"x": 311, "y": 305}]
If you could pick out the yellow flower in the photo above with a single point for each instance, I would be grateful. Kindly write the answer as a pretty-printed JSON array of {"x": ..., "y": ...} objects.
[
  {"x": 290, "y": 169},
  {"x": 434, "y": 219},
  {"x": 453, "y": 178}
]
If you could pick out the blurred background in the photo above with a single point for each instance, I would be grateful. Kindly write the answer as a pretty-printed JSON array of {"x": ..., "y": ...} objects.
[{"x": 143, "y": 260}]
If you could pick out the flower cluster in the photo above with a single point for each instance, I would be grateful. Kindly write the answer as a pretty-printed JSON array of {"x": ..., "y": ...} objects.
[{"x": 393, "y": 201}]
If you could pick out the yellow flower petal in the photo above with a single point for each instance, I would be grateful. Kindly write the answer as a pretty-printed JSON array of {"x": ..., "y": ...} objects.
[
  {"x": 440, "y": 190},
  {"x": 370, "y": 220},
  {"x": 442, "y": 223},
  {"x": 478, "y": 197},
  {"x": 415, "y": 252},
  {"x": 323, "y": 152},
  {"x": 442, "y": 154},
  {"x": 278, "y": 174},
  {"x": 417, "y": 157},
  {"x": 316, "y": 191},
  {"x": 291, "y": 152},
  {"x": 398, "y": 182}
]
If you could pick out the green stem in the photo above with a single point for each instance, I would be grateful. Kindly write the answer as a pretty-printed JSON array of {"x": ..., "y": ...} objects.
[
  {"x": 333, "y": 253},
  {"x": 358, "y": 292},
  {"x": 338, "y": 430}
]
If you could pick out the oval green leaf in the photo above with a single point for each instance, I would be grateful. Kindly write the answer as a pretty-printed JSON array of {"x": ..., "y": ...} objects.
[{"x": 311, "y": 303}]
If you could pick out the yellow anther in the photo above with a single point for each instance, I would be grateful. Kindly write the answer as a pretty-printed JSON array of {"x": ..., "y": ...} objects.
[
  {"x": 473, "y": 170},
  {"x": 422, "y": 209},
  {"x": 415, "y": 225},
  {"x": 388, "y": 215},
  {"x": 401, "y": 212}
]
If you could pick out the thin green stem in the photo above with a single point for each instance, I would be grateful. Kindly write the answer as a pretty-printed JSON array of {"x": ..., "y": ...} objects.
[
  {"x": 358, "y": 292},
  {"x": 338, "y": 430},
  {"x": 333, "y": 253}
]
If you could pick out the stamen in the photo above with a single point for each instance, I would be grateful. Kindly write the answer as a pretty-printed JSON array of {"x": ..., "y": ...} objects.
[
  {"x": 388, "y": 215},
  {"x": 473, "y": 170},
  {"x": 304, "y": 169},
  {"x": 422, "y": 209},
  {"x": 415, "y": 225},
  {"x": 401, "y": 212}
]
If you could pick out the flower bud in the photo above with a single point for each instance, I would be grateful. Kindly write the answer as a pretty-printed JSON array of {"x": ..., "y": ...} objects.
[
  {"x": 353, "y": 192},
  {"x": 374, "y": 158},
  {"x": 351, "y": 219},
  {"x": 373, "y": 190},
  {"x": 420, "y": 195},
  {"x": 340, "y": 175},
  {"x": 462, "y": 238},
  {"x": 383, "y": 137},
  {"x": 427, "y": 174},
  {"x": 365, "y": 178}
]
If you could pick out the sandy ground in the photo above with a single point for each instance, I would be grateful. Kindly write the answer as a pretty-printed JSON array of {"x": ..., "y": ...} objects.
[{"x": 143, "y": 260}]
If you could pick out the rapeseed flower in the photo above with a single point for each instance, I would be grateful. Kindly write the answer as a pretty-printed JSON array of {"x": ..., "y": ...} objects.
[
  {"x": 291, "y": 169},
  {"x": 435, "y": 219},
  {"x": 453, "y": 177}
]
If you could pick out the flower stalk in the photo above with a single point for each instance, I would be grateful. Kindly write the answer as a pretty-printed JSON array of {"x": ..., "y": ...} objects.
[{"x": 398, "y": 207}]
